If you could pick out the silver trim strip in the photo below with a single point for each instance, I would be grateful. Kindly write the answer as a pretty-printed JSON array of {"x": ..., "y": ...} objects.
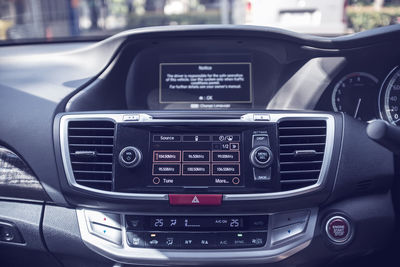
[
  {"x": 143, "y": 118},
  {"x": 128, "y": 255}
]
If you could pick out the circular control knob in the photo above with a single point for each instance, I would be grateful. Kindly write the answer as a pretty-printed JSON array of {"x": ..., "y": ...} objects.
[
  {"x": 261, "y": 157},
  {"x": 338, "y": 229},
  {"x": 130, "y": 157}
]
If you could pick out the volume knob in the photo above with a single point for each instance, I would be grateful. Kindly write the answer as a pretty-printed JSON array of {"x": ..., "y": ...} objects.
[
  {"x": 261, "y": 157},
  {"x": 130, "y": 157}
]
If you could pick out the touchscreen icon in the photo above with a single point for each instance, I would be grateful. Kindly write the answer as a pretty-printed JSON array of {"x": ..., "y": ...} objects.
[
  {"x": 204, "y": 242},
  {"x": 234, "y": 223},
  {"x": 172, "y": 222},
  {"x": 153, "y": 242},
  {"x": 159, "y": 223},
  {"x": 225, "y": 146},
  {"x": 195, "y": 200},
  {"x": 170, "y": 241},
  {"x": 190, "y": 225},
  {"x": 257, "y": 241},
  {"x": 135, "y": 241},
  {"x": 223, "y": 242}
]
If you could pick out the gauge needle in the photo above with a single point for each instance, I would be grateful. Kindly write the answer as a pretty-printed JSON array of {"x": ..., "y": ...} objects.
[{"x": 357, "y": 108}]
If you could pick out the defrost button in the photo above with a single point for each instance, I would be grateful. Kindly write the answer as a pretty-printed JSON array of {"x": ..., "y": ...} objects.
[{"x": 135, "y": 239}]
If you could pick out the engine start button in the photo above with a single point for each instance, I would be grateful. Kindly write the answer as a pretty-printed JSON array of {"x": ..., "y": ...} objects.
[{"x": 338, "y": 229}]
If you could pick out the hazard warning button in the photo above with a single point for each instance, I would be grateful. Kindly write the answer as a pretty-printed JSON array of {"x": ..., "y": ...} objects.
[{"x": 195, "y": 200}]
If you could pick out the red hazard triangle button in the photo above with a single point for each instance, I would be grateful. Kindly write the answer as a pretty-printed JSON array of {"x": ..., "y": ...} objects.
[{"x": 195, "y": 200}]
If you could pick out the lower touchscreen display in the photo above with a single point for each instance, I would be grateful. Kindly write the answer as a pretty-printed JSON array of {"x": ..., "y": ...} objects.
[
  {"x": 197, "y": 223},
  {"x": 228, "y": 82},
  {"x": 191, "y": 222},
  {"x": 196, "y": 160}
]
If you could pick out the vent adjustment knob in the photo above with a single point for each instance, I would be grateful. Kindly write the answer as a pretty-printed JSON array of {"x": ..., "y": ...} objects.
[
  {"x": 261, "y": 157},
  {"x": 130, "y": 157}
]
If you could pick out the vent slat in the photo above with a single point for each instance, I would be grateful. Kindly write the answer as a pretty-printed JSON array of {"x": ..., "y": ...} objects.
[
  {"x": 302, "y": 146},
  {"x": 301, "y": 162},
  {"x": 102, "y": 172},
  {"x": 302, "y": 128},
  {"x": 299, "y": 181},
  {"x": 301, "y": 136},
  {"x": 92, "y": 129},
  {"x": 94, "y": 181},
  {"x": 299, "y": 171},
  {"x": 89, "y": 145},
  {"x": 91, "y": 163},
  {"x": 293, "y": 153},
  {"x": 97, "y": 154},
  {"x": 91, "y": 137},
  {"x": 91, "y": 152}
]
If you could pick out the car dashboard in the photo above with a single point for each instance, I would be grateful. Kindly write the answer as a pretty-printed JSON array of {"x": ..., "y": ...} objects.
[{"x": 198, "y": 145}]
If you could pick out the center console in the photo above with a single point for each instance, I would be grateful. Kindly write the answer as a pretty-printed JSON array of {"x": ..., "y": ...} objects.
[{"x": 190, "y": 171}]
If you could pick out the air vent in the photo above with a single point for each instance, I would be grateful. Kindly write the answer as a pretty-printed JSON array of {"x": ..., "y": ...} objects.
[
  {"x": 91, "y": 152},
  {"x": 302, "y": 146}
]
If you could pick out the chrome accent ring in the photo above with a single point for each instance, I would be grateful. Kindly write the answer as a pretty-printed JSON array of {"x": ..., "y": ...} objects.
[
  {"x": 343, "y": 240},
  {"x": 254, "y": 160},
  {"x": 135, "y": 162}
]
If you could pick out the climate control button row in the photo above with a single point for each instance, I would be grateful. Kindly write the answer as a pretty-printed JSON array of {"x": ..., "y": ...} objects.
[{"x": 196, "y": 240}]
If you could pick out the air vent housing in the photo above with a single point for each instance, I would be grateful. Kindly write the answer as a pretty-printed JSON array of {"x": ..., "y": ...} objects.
[
  {"x": 302, "y": 145},
  {"x": 91, "y": 152}
]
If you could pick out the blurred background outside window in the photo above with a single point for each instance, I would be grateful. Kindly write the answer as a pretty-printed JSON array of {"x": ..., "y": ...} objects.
[{"x": 53, "y": 19}]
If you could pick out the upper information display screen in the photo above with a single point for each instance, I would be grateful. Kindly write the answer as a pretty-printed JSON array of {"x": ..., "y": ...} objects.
[{"x": 205, "y": 82}]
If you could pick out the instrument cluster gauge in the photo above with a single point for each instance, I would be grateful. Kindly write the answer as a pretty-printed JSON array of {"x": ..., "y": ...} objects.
[
  {"x": 356, "y": 95},
  {"x": 389, "y": 97}
]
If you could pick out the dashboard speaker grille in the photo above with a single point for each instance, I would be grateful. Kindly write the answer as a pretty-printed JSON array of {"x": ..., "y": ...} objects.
[
  {"x": 302, "y": 145},
  {"x": 91, "y": 152}
]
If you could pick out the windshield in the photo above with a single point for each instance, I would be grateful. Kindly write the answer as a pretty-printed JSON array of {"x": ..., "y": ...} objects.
[{"x": 49, "y": 20}]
